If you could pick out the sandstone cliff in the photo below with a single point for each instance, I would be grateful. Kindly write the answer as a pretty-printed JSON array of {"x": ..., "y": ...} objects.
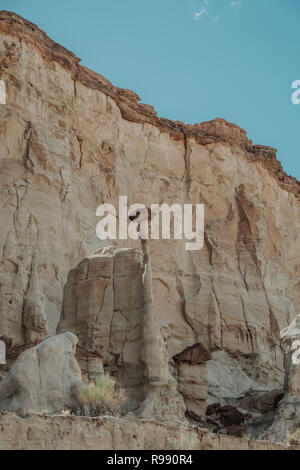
[{"x": 70, "y": 141}]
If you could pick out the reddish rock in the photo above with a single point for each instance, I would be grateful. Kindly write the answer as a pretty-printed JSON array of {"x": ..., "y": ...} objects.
[
  {"x": 194, "y": 416},
  {"x": 236, "y": 430},
  {"x": 230, "y": 415},
  {"x": 213, "y": 409},
  {"x": 196, "y": 354}
]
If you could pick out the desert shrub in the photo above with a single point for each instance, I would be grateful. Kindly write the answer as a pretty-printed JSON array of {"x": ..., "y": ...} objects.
[
  {"x": 294, "y": 439},
  {"x": 101, "y": 397}
]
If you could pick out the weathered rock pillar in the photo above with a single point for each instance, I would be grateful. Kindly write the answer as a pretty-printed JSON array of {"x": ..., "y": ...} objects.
[
  {"x": 163, "y": 401},
  {"x": 287, "y": 421}
]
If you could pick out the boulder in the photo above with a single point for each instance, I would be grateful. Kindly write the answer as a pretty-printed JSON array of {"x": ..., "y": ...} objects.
[
  {"x": 229, "y": 415},
  {"x": 46, "y": 377},
  {"x": 196, "y": 354},
  {"x": 225, "y": 419}
]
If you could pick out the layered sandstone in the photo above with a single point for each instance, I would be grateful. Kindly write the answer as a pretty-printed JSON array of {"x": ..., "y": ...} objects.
[
  {"x": 70, "y": 141},
  {"x": 39, "y": 432}
]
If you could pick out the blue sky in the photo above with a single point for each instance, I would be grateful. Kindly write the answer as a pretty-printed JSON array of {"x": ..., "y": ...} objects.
[{"x": 192, "y": 60}]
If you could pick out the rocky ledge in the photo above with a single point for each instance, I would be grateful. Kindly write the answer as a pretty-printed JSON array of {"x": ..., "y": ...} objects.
[{"x": 42, "y": 432}]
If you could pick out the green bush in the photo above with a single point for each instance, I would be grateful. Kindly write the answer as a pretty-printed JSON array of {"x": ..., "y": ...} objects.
[{"x": 101, "y": 397}]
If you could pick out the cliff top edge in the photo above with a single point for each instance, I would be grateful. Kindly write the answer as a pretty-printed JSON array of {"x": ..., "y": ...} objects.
[{"x": 216, "y": 130}]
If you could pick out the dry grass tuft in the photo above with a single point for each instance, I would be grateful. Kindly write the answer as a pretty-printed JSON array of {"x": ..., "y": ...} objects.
[
  {"x": 294, "y": 439},
  {"x": 101, "y": 397}
]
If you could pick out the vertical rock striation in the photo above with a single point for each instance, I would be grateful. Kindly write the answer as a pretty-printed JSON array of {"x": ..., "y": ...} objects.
[{"x": 69, "y": 141}]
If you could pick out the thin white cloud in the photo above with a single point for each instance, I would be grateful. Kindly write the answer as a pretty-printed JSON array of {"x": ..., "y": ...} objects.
[
  {"x": 215, "y": 19},
  {"x": 235, "y": 5},
  {"x": 204, "y": 10},
  {"x": 198, "y": 14}
]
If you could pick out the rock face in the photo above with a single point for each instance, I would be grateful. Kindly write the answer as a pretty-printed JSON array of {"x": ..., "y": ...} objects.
[
  {"x": 103, "y": 306},
  {"x": 108, "y": 303},
  {"x": 46, "y": 377},
  {"x": 70, "y": 141},
  {"x": 287, "y": 420}
]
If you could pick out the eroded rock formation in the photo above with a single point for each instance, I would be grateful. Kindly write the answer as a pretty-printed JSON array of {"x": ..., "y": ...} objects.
[
  {"x": 287, "y": 419},
  {"x": 192, "y": 379},
  {"x": 103, "y": 306},
  {"x": 108, "y": 303},
  {"x": 69, "y": 141}
]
